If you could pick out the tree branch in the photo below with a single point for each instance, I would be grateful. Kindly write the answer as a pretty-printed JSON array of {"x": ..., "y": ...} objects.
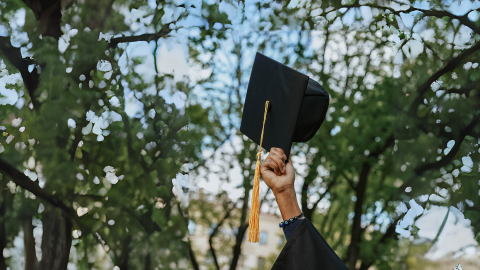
[
  {"x": 387, "y": 235},
  {"x": 439, "y": 14},
  {"x": 31, "y": 260},
  {"x": 380, "y": 150},
  {"x": 353, "y": 249},
  {"x": 23, "y": 181},
  {"x": 49, "y": 14},
  {"x": 145, "y": 37},
  {"x": 193, "y": 259},
  {"x": 448, "y": 158},
  {"x": 237, "y": 249},
  {"x": 330, "y": 186},
  {"x": 342, "y": 234},
  {"x": 349, "y": 181},
  {"x": 466, "y": 90},
  {"x": 78, "y": 138},
  {"x": 6, "y": 205},
  {"x": 330, "y": 224},
  {"x": 214, "y": 232},
  {"x": 14, "y": 56},
  {"x": 420, "y": 170},
  {"x": 450, "y": 66},
  {"x": 428, "y": 13}
]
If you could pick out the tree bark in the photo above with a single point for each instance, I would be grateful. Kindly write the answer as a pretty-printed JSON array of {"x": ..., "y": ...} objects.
[
  {"x": 191, "y": 254},
  {"x": 237, "y": 249},
  {"x": 49, "y": 14},
  {"x": 3, "y": 239},
  {"x": 124, "y": 258},
  {"x": 57, "y": 240},
  {"x": 31, "y": 260},
  {"x": 214, "y": 233},
  {"x": 330, "y": 224},
  {"x": 389, "y": 234},
  {"x": 148, "y": 262},
  {"x": 356, "y": 225},
  {"x": 450, "y": 66},
  {"x": 312, "y": 174},
  {"x": 20, "y": 179},
  {"x": 14, "y": 56},
  {"x": 3, "y": 233},
  {"x": 309, "y": 212},
  {"x": 193, "y": 259}
]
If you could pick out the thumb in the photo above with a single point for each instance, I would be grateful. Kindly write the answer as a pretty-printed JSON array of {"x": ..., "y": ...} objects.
[{"x": 290, "y": 169}]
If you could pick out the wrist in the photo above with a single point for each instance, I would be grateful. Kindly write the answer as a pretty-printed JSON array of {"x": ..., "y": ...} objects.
[
  {"x": 284, "y": 190},
  {"x": 287, "y": 202}
]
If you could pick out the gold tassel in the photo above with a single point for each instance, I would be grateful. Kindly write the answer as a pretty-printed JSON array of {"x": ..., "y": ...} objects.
[{"x": 253, "y": 231}]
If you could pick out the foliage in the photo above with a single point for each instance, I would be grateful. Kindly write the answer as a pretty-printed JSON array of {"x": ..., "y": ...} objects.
[
  {"x": 401, "y": 79},
  {"x": 93, "y": 143},
  {"x": 72, "y": 143}
]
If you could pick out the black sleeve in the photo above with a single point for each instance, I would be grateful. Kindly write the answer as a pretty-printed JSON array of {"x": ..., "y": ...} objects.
[
  {"x": 288, "y": 230},
  {"x": 306, "y": 249}
]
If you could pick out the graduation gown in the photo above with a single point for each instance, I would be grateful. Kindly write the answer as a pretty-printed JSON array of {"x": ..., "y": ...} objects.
[{"x": 306, "y": 249}]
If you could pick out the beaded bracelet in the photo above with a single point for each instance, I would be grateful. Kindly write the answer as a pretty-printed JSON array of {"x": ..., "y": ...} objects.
[{"x": 290, "y": 221}]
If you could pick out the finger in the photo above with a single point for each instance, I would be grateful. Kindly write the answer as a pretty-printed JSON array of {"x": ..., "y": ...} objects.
[
  {"x": 275, "y": 156},
  {"x": 268, "y": 176},
  {"x": 281, "y": 154},
  {"x": 290, "y": 170},
  {"x": 279, "y": 151},
  {"x": 269, "y": 164}
]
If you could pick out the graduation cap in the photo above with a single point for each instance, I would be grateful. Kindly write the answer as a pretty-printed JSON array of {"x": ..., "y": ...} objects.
[{"x": 282, "y": 106}]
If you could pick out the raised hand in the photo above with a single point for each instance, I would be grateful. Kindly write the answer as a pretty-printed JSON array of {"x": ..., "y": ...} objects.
[
  {"x": 277, "y": 174},
  {"x": 280, "y": 177}
]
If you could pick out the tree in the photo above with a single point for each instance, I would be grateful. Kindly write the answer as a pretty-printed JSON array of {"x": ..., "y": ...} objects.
[
  {"x": 379, "y": 146},
  {"x": 73, "y": 154},
  {"x": 402, "y": 125}
]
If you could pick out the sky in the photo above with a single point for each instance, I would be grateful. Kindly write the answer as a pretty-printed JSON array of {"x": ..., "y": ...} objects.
[{"x": 172, "y": 57}]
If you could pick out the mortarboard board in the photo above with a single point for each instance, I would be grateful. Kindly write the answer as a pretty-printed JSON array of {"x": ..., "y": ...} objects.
[
  {"x": 282, "y": 106},
  {"x": 298, "y": 105}
]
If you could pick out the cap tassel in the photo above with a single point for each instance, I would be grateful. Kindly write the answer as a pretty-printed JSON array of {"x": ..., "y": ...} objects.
[{"x": 253, "y": 231}]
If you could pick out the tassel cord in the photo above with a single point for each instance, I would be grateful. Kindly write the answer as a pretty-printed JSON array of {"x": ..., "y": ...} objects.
[{"x": 253, "y": 231}]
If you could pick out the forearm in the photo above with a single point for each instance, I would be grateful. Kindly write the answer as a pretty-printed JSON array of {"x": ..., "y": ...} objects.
[{"x": 287, "y": 202}]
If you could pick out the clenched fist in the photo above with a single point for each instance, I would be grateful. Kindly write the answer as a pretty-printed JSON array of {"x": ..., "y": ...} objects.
[{"x": 277, "y": 174}]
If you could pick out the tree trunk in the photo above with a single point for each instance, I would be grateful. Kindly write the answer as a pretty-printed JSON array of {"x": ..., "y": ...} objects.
[
  {"x": 193, "y": 259},
  {"x": 312, "y": 174},
  {"x": 307, "y": 212},
  {"x": 356, "y": 225},
  {"x": 49, "y": 14},
  {"x": 56, "y": 241},
  {"x": 124, "y": 258},
  {"x": 148, "y": 262},
  {"x": 330, "y": 225},
  {"x": 191, "y": 254},
  {"x": 3, "y": 241},
  {"x": 31, "y": 260},
  {"x": 237, "y": 249},
  {"x": 389, "y": 234},
  {"x": 3, "y": 233}
]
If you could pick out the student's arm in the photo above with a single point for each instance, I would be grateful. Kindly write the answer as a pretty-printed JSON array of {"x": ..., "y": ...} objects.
[
  {"x": 280, "y": 177},
  {"x": 306, "y": 249}
]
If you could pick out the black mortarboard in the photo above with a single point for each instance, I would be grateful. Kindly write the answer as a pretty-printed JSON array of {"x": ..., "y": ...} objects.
[{"x": 298, "y": 105}]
